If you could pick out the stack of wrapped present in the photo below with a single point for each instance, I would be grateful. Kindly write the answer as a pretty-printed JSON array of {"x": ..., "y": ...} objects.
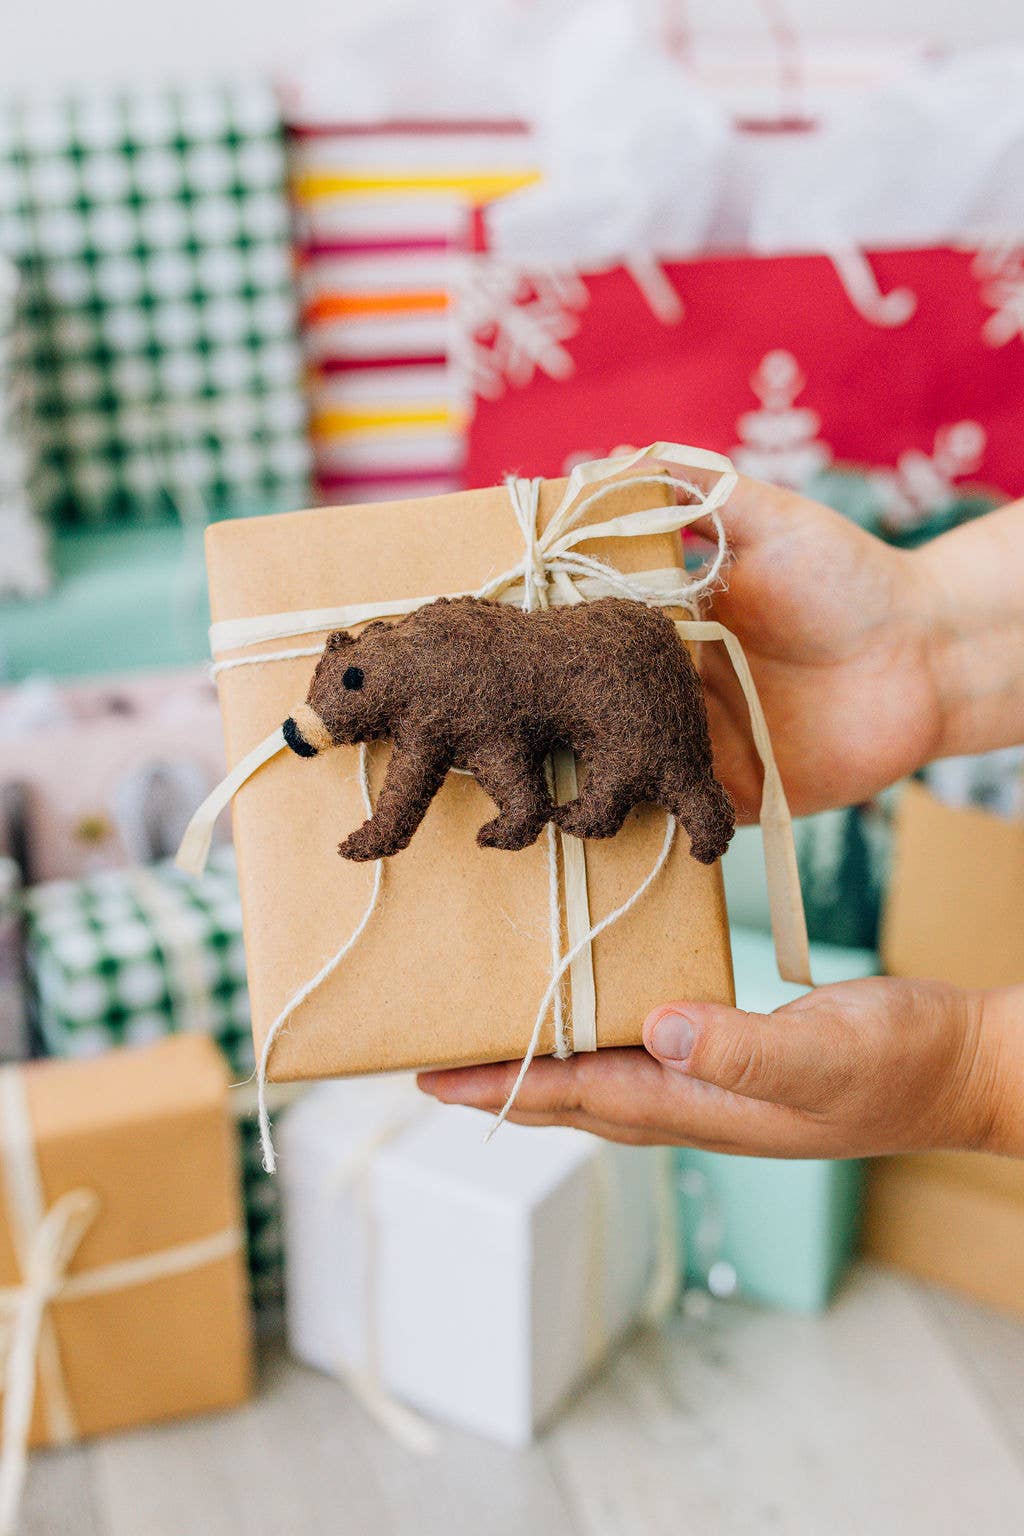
[{"x": 126, "y": 956}]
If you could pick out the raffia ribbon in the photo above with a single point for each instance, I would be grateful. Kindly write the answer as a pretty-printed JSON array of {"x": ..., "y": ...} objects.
[
  {"x": 45, "y": 1243},
  {"x": 553, "y": 570}
]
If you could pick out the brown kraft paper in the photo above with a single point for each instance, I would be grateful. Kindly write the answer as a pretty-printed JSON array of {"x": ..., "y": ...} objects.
[
  {"x": 149, "y": 1132},
  {"x": 455, "y": 959},
  {"x": 954, "y": 913}
]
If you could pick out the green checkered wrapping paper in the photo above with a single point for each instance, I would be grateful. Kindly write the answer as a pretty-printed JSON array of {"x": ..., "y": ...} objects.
[
  {"x": 159, "y": 340},
  {"x": 126, "y": 956}
]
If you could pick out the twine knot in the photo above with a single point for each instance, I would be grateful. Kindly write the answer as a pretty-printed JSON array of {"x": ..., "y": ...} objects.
[{"x": 525, "y": 498}]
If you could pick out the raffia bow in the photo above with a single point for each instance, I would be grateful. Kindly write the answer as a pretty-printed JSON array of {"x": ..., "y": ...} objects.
[{"x": 553, "y": 569}]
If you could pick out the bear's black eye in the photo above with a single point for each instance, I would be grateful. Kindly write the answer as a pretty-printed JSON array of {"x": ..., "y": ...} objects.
[{"x": 353, "y": 677}]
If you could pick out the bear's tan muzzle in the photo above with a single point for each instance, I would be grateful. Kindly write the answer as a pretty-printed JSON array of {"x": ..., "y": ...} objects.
[{"x": 305, "y": 732}]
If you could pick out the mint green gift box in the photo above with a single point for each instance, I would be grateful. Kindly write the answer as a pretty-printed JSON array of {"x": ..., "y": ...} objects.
[{"x": 773, "y": 1230}]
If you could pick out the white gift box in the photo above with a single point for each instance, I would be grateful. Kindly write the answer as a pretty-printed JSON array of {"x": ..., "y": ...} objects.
[{"x": 479, "y": 1284}]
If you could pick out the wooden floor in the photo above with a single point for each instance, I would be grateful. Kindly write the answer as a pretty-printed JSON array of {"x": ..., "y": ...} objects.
[{"x": 900, "y": 1411}]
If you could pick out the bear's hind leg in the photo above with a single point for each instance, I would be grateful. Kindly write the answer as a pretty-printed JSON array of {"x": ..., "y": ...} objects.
[
  {"x": 706, "y": 813},
  {"x": 602, "y": 805},
  {"x": 516, "y": 783}
]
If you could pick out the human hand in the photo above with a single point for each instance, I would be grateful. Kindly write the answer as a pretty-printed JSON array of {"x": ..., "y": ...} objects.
[
  {"x": 852, "y": 1070},
  {"x": 838, "y": 630}
]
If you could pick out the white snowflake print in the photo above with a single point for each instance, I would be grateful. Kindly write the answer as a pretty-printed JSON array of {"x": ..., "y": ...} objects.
[
  {"x": 1000, "y": 273},
  {"x": 510, "y": 323},
  {"x": 922, "y": 484},
  {"x": 780, "y": 442}
]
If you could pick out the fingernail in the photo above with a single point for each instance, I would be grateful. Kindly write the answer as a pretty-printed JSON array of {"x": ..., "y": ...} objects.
[{"x": 672, "y": 1037}]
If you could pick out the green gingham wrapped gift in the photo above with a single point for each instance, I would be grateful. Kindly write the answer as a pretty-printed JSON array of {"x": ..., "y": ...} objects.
[
  {"x": 160, "y": 338},
  {"x": 126, "y": 956}
]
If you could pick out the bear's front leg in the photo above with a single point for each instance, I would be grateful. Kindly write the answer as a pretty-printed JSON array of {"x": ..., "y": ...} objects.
[
  {"x": 412, "y": 780},
  {"x": 515, "y": 782}
]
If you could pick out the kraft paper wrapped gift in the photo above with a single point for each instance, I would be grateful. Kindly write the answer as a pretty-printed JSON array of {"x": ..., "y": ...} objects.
[
  {"x": 479, "y": 1285},
  {"x": 453, "y": 964},
  {"x": 955, "y": 913},
  {"x": 121, "y": 1220},
  {"x": 955, "y": 906},
  {"x": 955, "y": 1219}
]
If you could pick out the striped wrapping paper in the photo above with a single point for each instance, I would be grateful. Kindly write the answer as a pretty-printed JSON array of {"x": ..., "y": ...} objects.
[{"x": 382, "y": 211}]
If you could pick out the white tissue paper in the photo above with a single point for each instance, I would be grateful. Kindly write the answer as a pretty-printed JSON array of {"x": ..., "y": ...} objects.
[
  {"x": 401, "y": 60},
  {"x": 632, "y": 151},
  {"x": 478, "y": 1284},
  {"x": 642, "y": 159},
  {"x": 645, "y": 157},
  {"x": 933, "y": 158}
]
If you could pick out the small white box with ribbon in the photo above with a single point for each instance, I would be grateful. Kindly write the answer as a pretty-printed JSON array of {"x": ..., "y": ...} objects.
[{"x": 480, "y": 1291}]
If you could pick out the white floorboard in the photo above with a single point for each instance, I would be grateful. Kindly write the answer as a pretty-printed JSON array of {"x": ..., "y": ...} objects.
[{"x": 900, "y": 1411}]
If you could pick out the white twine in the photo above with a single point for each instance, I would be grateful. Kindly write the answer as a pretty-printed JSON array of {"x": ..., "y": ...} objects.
[
  {"x": 563, "y": 1046},
  {"x": 525, "y": 497},
  {"x": 249, "y": 661},
  {"x": 569, "y": 957},
  {"x": 308, "y": 988}
]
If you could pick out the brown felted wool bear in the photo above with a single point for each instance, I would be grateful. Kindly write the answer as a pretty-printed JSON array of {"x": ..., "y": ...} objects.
[{"x": 463, "y": 683}]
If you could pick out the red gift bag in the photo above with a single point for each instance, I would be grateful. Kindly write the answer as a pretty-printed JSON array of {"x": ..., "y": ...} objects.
[
  {"x": 812, "y": 291},
  {"x": 909, "y": 360}
]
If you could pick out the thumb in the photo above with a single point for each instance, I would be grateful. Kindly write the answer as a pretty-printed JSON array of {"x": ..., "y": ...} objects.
[
  {"x": 753, "y": 512},
  {"x": 779, "y": 1057}
]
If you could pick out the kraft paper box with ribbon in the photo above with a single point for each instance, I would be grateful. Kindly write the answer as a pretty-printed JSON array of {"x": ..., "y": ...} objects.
[
  {"x": 123, "y": 1290},
  {"x": 441, "y": 955}
]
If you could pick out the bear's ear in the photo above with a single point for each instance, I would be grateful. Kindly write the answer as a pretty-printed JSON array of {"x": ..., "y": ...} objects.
[{"x": 339, "y": 640}]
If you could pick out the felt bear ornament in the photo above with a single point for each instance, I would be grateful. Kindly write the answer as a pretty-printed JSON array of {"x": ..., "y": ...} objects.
[{"x": 486, "y": 687}]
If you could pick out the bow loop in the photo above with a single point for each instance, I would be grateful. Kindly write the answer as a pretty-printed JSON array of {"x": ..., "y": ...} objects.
[
  {"x": 551, "y": 556},
  {"x": 56, "y": 1239}
]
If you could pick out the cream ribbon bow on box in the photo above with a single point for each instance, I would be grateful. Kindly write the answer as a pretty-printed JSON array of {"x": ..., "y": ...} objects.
[
  {"x": 553, "y": 570},
  {"x": 45, "y": 1242}
]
